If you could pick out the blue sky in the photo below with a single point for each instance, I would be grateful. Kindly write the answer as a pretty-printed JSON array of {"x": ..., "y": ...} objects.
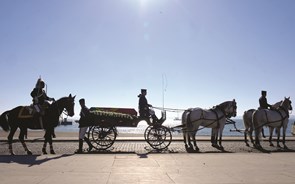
[{"x": 105, "y": 51}]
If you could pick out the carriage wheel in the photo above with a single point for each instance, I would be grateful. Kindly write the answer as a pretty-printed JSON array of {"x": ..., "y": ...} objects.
[
  {"x": 146, "y": 132},
  {"x": 102, "y": 138},
  {"x": 158, "y": 137}
]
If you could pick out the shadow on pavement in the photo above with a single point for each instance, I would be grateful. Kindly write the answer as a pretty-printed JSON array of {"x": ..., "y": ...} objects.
[{"x": 30, "y": 160}]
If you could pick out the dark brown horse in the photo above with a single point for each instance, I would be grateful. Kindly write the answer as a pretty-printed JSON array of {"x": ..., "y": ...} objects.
[{"x": 19, "y": 118}]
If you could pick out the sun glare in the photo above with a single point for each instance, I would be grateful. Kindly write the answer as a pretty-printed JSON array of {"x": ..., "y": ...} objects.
[{"x": 143, "y": 2}]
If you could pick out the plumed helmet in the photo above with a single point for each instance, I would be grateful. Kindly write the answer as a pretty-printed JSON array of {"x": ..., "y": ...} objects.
[{"x": 40, "y": 83}]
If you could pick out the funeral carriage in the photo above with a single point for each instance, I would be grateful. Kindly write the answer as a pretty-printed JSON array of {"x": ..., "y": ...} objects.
[{"x": 103, "y": 123}]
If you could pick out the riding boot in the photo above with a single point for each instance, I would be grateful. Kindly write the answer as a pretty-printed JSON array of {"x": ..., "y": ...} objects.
[
  {"x": 80, "y": 146},
  {"x": 26, "y": 133},
  {"x": 44, "y": 149},
  {"x": 53, "y": 134},
  {"x": 41, "y": 122},
  {"x": 89, "y": 144}
]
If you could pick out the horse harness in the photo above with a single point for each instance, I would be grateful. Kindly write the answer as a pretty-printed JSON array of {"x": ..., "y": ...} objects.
[
  {"x": 189, "y": 122},
  {"x": 279, "y": 112}
]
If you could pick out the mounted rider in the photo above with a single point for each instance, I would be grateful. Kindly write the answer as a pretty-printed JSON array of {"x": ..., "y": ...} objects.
[
  {"x": 263, "y": 101},
  {"x": 40, "y": 99}
]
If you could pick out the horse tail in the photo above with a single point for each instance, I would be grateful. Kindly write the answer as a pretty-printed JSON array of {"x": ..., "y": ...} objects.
[
  {"x": 254, "y": 119},
  {"x": 4, "y": 121},
  {"x": 185, "y": 118},
  {"x": 245, "y": 119}
]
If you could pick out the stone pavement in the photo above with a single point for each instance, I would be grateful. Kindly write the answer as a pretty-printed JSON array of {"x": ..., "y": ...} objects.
[
  {"x": 132, "y": 161},
  {"x": 148, "y": 168}
]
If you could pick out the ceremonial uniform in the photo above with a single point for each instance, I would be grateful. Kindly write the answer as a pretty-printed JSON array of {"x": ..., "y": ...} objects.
[
  {"x": 144, "y": 108},
  {"x": 40, "y": 98},
  {"x": 263, "y": 101},
  {"x": 82, "y": 127}
]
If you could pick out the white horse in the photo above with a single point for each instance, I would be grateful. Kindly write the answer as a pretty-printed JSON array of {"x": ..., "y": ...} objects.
[
  {"x": 272, "y": 118},
  {"x": 214, "y": 118},
  {"x": 247, "y": 118}
]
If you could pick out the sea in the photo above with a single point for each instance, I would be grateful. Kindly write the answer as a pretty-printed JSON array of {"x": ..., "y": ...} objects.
[{"x": 229, "y": 129}]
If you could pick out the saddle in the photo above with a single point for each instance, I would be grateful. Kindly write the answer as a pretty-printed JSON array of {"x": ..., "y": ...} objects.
[
  {"x": 30, "y": 113},
  {"x": 27, "y": 112}
]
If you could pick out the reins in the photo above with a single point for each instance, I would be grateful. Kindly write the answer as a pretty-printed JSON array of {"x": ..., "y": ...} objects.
[
  {"x": 230, "y": 121},
  {"x": 169, "y": 109},
  {"x": 59, "y": 112}
]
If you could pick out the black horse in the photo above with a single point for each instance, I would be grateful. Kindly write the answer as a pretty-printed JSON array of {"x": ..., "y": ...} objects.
[{"x": 19, "y": 117}]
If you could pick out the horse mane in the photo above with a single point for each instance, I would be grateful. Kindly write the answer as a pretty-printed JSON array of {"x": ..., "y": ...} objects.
[
  {"x": 223, "y": 105},
  {"x": 61, "y": 99}
]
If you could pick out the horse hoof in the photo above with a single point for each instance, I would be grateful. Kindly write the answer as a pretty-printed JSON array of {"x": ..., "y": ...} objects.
[
  {"x": 215, "y": 145},
  {"x": 189, "y": 149},
  {"x": 12, "y": 153},
  {"x": 285, "y": 147},
  {"x": 78, "y": 151},
  {"x": 256, "y": 146},
  {"x": 259, "y": 147},
  {"x": 52, "y": 152},
  {"x": 29, "y": 152},
  {"x": 44, "y": 151}
]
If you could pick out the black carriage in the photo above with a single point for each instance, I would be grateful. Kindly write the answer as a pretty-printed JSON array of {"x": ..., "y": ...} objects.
[{"x": 103, "y": 123}]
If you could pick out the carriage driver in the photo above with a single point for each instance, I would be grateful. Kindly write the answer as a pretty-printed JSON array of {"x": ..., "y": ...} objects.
[
  {"x": 83, "y": 128},
  {"x": 263, "y": 101},
  {"x": 144, "y": 108},
  {"x": 40, "y": 99}
]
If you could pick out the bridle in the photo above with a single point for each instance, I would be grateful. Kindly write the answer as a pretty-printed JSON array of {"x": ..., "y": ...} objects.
[
  {"x": 64, "y": 111},
  {"x": 230, "y": 114}
]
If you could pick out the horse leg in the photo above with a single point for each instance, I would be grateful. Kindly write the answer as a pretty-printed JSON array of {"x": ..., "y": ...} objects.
[
  {"x": 262, "y": 131},
  {"x": 48, "y": 139},
  {"x": 214, "y": 137},
  {"x": 189, "y": 141},
  {"x": 245, "y": 137},
  {"x": 185, "y": 138},
  {"x": 270, "y": 136},
  {"x": 51, "y": 147},
  {"x": 246, "y": 124},
  {"x": 284, "y": 138},
  {"x": 22, "y": 140},
  {"x": 45, "y": 144},
  {"x": 220, "y": 138},
  {"x": 257, "y": 141},
  {"x": 10, "y": 139},
  {"x": 49, "y": 134},
  {"x": 195, "y": 142},
  {"x": 278, "y": 137},
  {"x": 251, "y": 135},
  {"x": 44, "y": 147}
]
